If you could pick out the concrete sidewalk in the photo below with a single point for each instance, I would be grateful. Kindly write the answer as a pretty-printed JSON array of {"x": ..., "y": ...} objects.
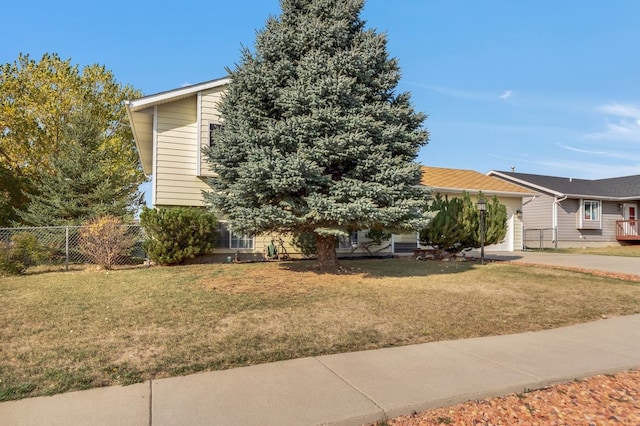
[{"x": 353, "y": 388}]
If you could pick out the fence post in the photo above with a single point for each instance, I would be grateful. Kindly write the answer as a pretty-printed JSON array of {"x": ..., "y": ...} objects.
[
  {"x": 66, "y": 248},
  {"x": 541, "y": 237}
]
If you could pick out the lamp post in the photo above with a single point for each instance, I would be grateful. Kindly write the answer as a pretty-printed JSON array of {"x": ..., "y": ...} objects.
[{"x": 482, "y": 208}]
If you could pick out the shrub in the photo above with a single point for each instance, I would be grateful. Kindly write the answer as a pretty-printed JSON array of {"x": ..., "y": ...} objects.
[
  {"x": 174, "y": 235},
  {"x": 23, "y": 250},
  {"x": 106, "y": 241},
  {"x": 456, "y": 224}
]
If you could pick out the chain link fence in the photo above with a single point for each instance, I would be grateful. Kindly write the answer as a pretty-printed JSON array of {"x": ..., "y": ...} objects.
[{"x": 62, "y": 246}]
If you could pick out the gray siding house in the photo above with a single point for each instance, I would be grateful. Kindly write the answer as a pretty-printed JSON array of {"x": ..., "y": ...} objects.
[{"x": 578, "y": 212}]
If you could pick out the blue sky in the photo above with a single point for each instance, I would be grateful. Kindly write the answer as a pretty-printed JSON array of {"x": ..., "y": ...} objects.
[{"x": 548, "y": 87}]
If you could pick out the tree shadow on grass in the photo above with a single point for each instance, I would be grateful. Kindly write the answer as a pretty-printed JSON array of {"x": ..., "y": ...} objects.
[{"x": 383, "y": 268}]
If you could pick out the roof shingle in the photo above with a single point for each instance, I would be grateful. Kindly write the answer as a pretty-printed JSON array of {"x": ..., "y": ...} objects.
[{"x": 468, "y": 180}]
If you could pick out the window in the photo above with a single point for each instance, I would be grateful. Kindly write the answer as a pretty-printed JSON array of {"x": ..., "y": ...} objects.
[
  {"x": 589, "y": 215},
  {"x": 228, "y": 239},
  {"x": 213, "y": 128},
  {"x": 348, "y": 242},
  {"x": 591, "y": 210}
]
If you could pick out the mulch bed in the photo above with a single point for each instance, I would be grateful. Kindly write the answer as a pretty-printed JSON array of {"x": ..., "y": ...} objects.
[{"x": 600, "y": 400}]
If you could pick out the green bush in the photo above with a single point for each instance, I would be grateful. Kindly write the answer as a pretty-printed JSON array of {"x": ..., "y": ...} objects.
[
  {"x": 174, "y": 235},
  {"x": 456, "y": 224},
  {"x": 20, "y": 253}
]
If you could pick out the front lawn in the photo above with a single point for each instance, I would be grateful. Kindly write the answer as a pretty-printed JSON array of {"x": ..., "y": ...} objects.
[{"x": 77, "y": 330}]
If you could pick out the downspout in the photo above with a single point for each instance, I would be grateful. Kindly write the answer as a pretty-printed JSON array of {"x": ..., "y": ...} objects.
[{"x": 555, "y": 219}]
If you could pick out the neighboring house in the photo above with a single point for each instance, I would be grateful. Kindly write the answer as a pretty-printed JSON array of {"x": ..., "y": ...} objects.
[
  {"x": 453, "y": 182},
  {"x": 171, "y": 128},
  {"x": 578, "y": 212}
]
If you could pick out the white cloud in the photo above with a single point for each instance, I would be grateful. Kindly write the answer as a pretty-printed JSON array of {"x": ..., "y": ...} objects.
[
  {"x": 506, "y": 95},
  {"x": 627, "y": 126},
  {"x": 621, "y": 110},
  {"x": 455, "y": 93},
  {"x": 625, "y": 155}
]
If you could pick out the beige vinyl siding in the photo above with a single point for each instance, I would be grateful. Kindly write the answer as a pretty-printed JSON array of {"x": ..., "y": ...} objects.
[
  {"x": 176, "y": 180},
  {"x": 210, "y": 114}
]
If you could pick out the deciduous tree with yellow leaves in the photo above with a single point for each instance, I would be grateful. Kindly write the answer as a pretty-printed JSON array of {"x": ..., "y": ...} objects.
[{"x": 37, "y": 102}]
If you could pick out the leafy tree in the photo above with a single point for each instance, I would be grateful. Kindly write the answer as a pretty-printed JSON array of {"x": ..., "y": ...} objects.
[
  {"x": 80, "y": 184},
  {"x": 456, "y": 224},
  {"x": 315, "y": 138},
  {"x": 37, "y": 101},
  {"x": 13, "y": 187}
]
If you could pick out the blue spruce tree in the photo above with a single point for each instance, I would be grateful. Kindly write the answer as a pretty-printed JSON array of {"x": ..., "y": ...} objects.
[{"x": 315, "y": 138}]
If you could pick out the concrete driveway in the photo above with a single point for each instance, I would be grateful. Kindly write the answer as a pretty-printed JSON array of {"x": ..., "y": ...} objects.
[{"x": 614, "y": 264}]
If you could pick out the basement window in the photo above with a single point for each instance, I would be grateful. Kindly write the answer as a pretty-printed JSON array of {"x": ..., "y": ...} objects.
[{"x": 227, "y": 239}]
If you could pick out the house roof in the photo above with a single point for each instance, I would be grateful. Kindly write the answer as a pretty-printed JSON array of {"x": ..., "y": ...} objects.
[
  {"x": 174, "y": 94},
  {"x": 141, "y": 115},
  {"x": 456, "y": 180},
  {"x": 621, "y": 188}
]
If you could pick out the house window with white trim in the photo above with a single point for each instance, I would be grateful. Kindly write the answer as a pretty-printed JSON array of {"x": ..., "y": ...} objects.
[
  {"x": 227, "y": 239},
  {"x": 213, "y": 128},
  {"x": 348, "y": 242},
  {"x": 590, "y": 214},
  {"x": 591, "y": 210}
]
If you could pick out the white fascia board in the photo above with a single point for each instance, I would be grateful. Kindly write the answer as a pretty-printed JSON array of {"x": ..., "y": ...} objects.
[
  {"x": 600, "y": 197},
  {"x": 175, "y": 94}
]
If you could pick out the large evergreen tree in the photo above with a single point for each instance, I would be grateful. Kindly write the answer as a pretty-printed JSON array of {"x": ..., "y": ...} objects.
[
  {"x": 80, "y": 184},
  {"x": 315, "y": 137}
]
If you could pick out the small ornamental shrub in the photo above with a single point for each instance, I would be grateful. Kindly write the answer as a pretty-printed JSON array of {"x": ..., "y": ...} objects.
[
  {"x": 456, "y": 224},
  {"x": 24, "y": 250},
  {"x": 106, "y": 241},
  {"x": 174, "y": 235}
]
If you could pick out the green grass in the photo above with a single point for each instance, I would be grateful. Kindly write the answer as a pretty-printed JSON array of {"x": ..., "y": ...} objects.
[{"x": 83, "y": 329}]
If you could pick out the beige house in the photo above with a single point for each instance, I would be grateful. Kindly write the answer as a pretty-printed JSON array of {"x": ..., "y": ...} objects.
[{"x": 171, "y": 128}]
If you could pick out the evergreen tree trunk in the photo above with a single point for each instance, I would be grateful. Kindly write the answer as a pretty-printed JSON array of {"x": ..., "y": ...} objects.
[{"x": 326, "y": 248}]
